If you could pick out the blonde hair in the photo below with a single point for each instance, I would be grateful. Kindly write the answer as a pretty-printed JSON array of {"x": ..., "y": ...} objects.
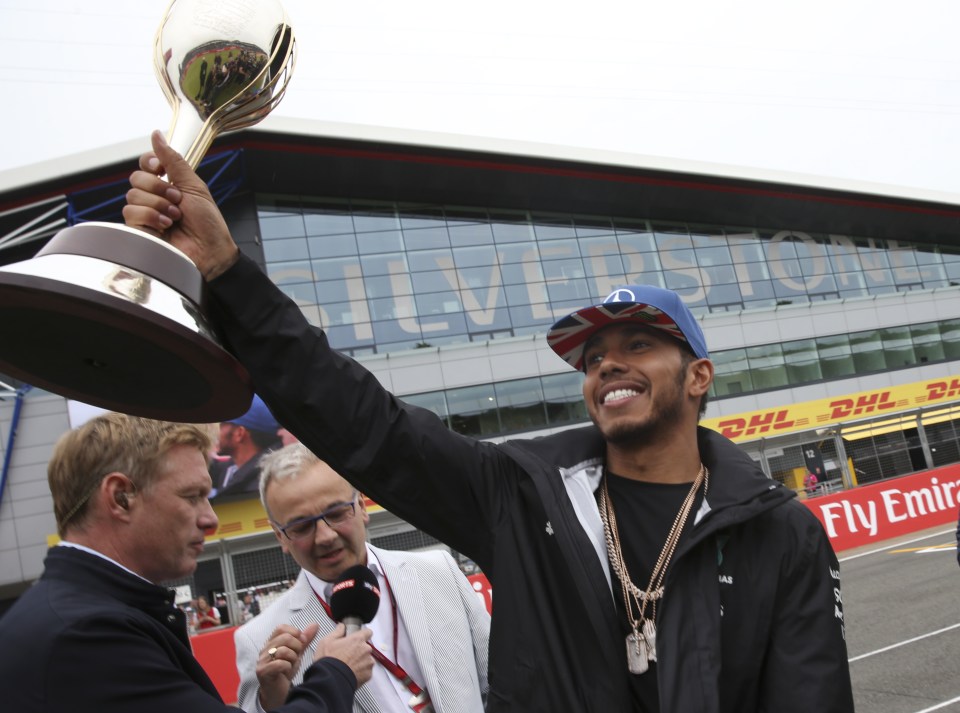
[{"x": 113, "y": 443}]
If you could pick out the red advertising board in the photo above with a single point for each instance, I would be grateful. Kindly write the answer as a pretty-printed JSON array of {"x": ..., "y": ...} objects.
[
  {"x": 876, "y": 512},
  {"x": 216, "y": 653}
]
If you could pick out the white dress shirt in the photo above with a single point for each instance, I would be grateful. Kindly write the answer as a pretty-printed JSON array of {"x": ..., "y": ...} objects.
[{"x": 392, "y": 695}]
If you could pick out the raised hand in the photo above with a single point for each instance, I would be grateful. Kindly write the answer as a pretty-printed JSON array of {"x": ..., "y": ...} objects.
[{"x": 181, "y": 211}]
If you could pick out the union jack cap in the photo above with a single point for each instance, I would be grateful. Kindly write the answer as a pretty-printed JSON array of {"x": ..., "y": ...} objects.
[{"x": 652, "y": 306}]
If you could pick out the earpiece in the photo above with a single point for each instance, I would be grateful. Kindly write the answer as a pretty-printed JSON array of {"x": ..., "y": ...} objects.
[{"x": 121, "y": 498}]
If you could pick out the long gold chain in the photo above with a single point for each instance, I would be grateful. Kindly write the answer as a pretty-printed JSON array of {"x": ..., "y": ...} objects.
[{"x": 633, "y": 596}]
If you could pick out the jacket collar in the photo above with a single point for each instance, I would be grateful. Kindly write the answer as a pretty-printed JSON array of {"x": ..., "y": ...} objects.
[
  {"x": 735, "y": 479},
  {"x": 91, "y": 572},
  {"x": 738, "y": 488}
]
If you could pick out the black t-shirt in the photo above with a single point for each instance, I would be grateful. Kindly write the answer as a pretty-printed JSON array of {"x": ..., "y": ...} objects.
[{"x": 645, "y": 513}]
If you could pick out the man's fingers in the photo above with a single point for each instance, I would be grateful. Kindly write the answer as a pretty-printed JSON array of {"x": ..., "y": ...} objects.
[
  {"x": 284, "y": 629},
  {"x": 306, "y": 636},
  {"x": 283, "y": 657},
  {"x": 147, "y": 183},
  {"x": 364, "y": 634},
  {"x": 146, "y": 219},
  {"x": 151, "y": 201},
  {"x": 177, "y": 169},
  {"x": 150, "y": 163},
  {"x": 285, "y": 643}
]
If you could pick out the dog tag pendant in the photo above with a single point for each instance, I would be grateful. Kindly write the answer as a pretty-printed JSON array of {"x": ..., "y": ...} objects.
[
  {"x": 637, "y": 655},
  {"x": 650, "y": 636}
]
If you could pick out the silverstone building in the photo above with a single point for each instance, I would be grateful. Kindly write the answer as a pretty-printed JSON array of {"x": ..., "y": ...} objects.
[{"x": 831, "y": 308}]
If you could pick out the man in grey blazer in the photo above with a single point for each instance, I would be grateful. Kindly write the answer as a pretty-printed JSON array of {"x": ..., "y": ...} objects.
[{"x": 430, "y": 633}]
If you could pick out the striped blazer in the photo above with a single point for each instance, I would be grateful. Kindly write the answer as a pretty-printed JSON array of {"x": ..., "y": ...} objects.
[{"x": 447, "y": 622}]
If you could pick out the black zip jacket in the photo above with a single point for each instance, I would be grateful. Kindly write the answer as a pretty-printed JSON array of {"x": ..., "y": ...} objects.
[
  {"x": 91, "y": 637},
  {"x": 752, "y": 618}
]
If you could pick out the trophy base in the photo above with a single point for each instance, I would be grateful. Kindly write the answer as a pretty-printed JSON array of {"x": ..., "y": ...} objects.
[{"x": 110, "y": 336}]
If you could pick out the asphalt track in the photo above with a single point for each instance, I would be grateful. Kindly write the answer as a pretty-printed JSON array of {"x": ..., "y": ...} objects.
[{"x": 902, "y": 613}]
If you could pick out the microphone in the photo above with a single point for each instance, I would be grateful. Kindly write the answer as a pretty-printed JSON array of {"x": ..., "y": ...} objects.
[{"x": 355, "y": 597}]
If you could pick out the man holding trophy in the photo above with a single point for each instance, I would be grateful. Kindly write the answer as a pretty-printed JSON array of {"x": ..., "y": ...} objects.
[
  {"x": 554, "y": 642},
  {"x": 521, "y": 509}
]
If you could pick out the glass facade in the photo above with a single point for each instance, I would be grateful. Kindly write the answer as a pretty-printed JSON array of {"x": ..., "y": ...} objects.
[
  {"x": 549, "y": 401},
  {"x": 382, "y": 277}
]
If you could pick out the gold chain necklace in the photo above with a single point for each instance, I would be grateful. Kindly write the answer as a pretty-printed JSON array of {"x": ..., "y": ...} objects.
[{"x": 642, "y": 639}]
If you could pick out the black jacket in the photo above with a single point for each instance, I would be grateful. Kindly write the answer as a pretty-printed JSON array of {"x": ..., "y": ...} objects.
[
  {"x": 524, "y": 511},
  {"x": 89, "y": 636}
]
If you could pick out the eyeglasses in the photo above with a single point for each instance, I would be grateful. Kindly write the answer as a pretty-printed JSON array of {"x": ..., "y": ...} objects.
[{"x": 306, "y": 526}]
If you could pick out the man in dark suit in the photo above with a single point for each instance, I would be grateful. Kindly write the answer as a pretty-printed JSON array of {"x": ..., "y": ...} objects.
[
  {"x": 245, "y": 440},
  {"x": 97, "y": 632}
]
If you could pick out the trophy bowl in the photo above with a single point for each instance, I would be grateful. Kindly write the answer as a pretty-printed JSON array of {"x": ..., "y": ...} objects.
[{"x": 115, "y": 317}]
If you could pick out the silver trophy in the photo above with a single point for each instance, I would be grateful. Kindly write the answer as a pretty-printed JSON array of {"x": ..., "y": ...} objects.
[{"x": 113, "y": 316}]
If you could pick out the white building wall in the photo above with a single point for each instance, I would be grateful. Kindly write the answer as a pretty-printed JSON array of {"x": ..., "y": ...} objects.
[{"x": 26, "y": 512}]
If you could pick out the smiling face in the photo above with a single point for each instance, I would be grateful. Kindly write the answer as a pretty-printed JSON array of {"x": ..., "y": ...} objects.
[
  {"x": 639, "y": 383},
  {"x": 170, "y": 518},
  {"x": 330, "y": 550}
]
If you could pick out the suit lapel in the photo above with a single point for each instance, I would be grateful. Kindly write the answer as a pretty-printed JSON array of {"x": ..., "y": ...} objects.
[
  {"x": 364, "y": 701},
  {"x": 409, "y": 594},
  {"x": 305, "y": 608}
]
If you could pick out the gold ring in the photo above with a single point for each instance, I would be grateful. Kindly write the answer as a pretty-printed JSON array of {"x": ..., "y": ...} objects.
[{"x": 272, "y": 652}]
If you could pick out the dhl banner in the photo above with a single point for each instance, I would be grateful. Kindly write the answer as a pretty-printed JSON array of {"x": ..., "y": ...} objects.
[{"x": 808, "y": 415}]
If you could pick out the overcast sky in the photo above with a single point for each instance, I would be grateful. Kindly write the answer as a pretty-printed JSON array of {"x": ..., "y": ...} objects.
[{"x": 859, "y": 89}]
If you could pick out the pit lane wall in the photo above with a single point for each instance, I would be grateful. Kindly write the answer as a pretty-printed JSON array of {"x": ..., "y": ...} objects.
[{"x": 899, "y": 506}]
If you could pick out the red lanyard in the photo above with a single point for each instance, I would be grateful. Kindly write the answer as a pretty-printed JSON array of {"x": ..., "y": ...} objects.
[{"x": 420, "y": 702}]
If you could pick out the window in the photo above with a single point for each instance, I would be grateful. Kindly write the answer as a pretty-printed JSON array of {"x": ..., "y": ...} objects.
[
  {"x": 564, "y": 398},
  {"x": 731, "y": 373},
  {"x": 897, "y": 347},
  {"x": 836, "y": 356},
  {"x": 473, "y": 410},
  {"x": 521, "y": 404},
  {"x": 434, "y": 401},
  {"x": 867, "y": 350},
  {"x": 802, "y": 360},
  {"x": 767, "y": 366}
]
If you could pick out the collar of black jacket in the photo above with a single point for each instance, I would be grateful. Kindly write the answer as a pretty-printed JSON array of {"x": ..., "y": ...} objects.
[
  {"x": 738, "y": 486},
  {"x": 97, "y": 576},
  {"x": 739, "y": 489}
]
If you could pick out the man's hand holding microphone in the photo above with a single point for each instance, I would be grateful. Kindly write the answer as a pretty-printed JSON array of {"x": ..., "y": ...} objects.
[{"x": 354, "y": 602}]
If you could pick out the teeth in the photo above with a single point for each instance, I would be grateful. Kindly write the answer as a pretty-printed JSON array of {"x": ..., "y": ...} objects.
[{"x": 618, "y": 394}]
